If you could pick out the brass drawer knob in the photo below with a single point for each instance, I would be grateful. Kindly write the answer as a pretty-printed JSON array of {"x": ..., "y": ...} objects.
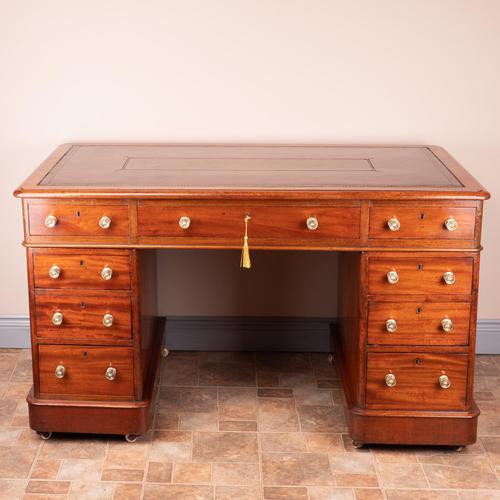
[
  {"x": 390, "y": 380},
  {"x": 55, "y": 271},
  {"x": 444, "y": 381},
  {"x": 184, "y": 222},
  {"x": 391, "y": 325},
  {"x": 60, "y": 371},
  {"x": 57, "y": 318},
  {"x": 106, "y": 273},
  {"x": 392, "y": 277},
  {"x": 312, "y": 223},
  {"x": 447, "y": 325},
  {"x": 107, "y": 320},
  {"x": 51, "y": 221},
  {"x": 449, "y": 278},
  {"x": 393, "y": 224},
  {"x": 451, "y": 224},
  {"x": 105, "y": 222},
  {"x": 110, "y": 373}
]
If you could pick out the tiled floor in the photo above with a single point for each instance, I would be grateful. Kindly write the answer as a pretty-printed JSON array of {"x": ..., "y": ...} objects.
[{"x": 242, "y": 426}]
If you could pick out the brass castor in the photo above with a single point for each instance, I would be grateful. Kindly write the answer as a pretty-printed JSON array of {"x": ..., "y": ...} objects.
[
  {"x": 165, "y": 352},
  {"x": 357, "y": 444},
  {"x": 330, "y": 359},
  {"x": 131, "y": 438},
  {"x": 45, "y": 435},
  {"x": 459, "y": 448}
]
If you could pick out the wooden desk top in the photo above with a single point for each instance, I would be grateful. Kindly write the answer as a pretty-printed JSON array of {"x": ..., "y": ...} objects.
[{"x": 243, "y": 171}]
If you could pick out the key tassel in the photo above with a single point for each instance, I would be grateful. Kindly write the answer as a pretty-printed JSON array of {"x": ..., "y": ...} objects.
[{"x": 245, "y": 253}]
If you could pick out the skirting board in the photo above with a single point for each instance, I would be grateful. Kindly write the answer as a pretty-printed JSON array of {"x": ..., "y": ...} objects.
[{"x": 244, "y": 333}]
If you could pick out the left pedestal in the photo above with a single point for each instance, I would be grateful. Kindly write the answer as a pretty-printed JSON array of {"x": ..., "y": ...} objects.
[{"x": 96, "y": 340}]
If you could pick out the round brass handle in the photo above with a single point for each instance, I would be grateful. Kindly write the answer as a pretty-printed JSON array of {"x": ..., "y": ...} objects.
[
  {"x": 449, "y": 278},
  {"x": 312, "y": 223},
  {"x": 60, "y": 371},
  {"x": 390, "y": 380},
  {"x": 107, "y": 320},
  {"x": 106, "y": 273},
  {"x": 393, "y": 224},
  {"x": 55, "y": 271},
  {"x": 391, "y": 325},
  {"x": 105, "y": 222},
  {"x": 51, "y": 221},
  {"x": 444, "y": 381},
  {"x": 447, "y": 325},
  {"x": 110, "y": 373},
  {"x": 451, "y": 224},
  {"x": 57, "y": 318},
  {"x": 184, "y": 222},
  {"x": 392, "y": 277}
]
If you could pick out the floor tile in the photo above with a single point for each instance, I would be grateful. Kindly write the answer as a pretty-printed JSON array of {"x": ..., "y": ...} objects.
[
  {"x": 285, "y": 493},
  {"x": 80, "y": 490},
  {"x": 177, "y": 492},
  {"x": 46, "y": 469},
  {"x": 397, "y": 475},
  {"x": 237, "y": 493},
  {"x": 225, "y": 447},
  {"x": 247, "y": 474},
  {"x": 159, "y": 472},
  {"x": 446, "y": 476},
  {"x": 48, "y": 487},
  {"x": 330, "y": 493},
  {"x": 127, "y": 492},
  {"x": 297, "y": 469},
  {"x": 282, "y": 442},
  {"x": 420, "y": 495},
  {"x": 15, "y": 462},
  {"x": 321, "y": 419},
  {"x": 276, "y": 414},
  {"x": 189, "y": 473}
]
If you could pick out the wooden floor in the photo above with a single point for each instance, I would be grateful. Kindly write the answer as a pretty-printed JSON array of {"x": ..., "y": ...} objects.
[{"x": 241, "y": 426}]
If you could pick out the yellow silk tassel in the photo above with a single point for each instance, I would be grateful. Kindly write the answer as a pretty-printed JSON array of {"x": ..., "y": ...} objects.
[{"x": 245, "y": 253}]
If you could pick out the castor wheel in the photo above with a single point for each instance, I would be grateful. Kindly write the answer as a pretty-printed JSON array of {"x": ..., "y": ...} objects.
[
  {"x": 357, "y": 444},
  {"x": 131, "y": 438},
  {"x": 459, "y": 448},
  {"x": 45, "y": 435},
  {"x": 330, "y": 359},
  {"x": 165, "y": 352}
]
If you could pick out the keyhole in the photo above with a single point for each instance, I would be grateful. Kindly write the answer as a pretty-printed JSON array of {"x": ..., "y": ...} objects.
[
  {"x": 82, "y": 305},
  {"x": 78, "y": 213},
  {"x": 418, "y": 310},
  {"x": 84, "y": 354},
  {"x": 420, "y": 267},
  {"x": 417, "y": 361},
  {"x": 81, "y": 263},
  {"x": 422, "y": 215}
]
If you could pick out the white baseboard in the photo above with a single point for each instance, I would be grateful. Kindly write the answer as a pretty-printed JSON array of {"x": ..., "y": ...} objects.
[{"x": 237, "y": 334}]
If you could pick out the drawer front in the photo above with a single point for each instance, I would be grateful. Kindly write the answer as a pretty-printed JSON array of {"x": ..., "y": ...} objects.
[
  {"x": 421, "y": 222},
  {"x": 83, "y": 315},
  {"x": 81, "y": 269},
  {"x": 417, "y": 381},
  {"x": 285, "y": 224},
  {"x": 420, "y": 275},
  {"x": 84, "y": 371},
  {"x": 417, "y": 323},
  {"x": 60, "y": 219}
]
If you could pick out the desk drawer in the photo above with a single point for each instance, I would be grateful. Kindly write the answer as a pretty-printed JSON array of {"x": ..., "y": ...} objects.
[
  {"x": 77, "y": 219},
  {"x": 83, "y": 315},
  {"x": 420, "y": 275},
  {"x": 401, "y": 221},
  {"x": 417, "y": 381},
  {"x": 418, "y": 323},
  {"x": 84, "y": 371},
  {"x": 81, "y": 269},
  {"x": 285, "y": 224}
]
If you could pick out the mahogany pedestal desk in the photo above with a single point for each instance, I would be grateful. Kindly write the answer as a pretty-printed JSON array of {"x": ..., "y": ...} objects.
[{"x": 406, "y": 221}]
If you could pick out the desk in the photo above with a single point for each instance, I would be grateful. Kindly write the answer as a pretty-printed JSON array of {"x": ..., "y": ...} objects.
[{"x": 405, "y": 219}]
